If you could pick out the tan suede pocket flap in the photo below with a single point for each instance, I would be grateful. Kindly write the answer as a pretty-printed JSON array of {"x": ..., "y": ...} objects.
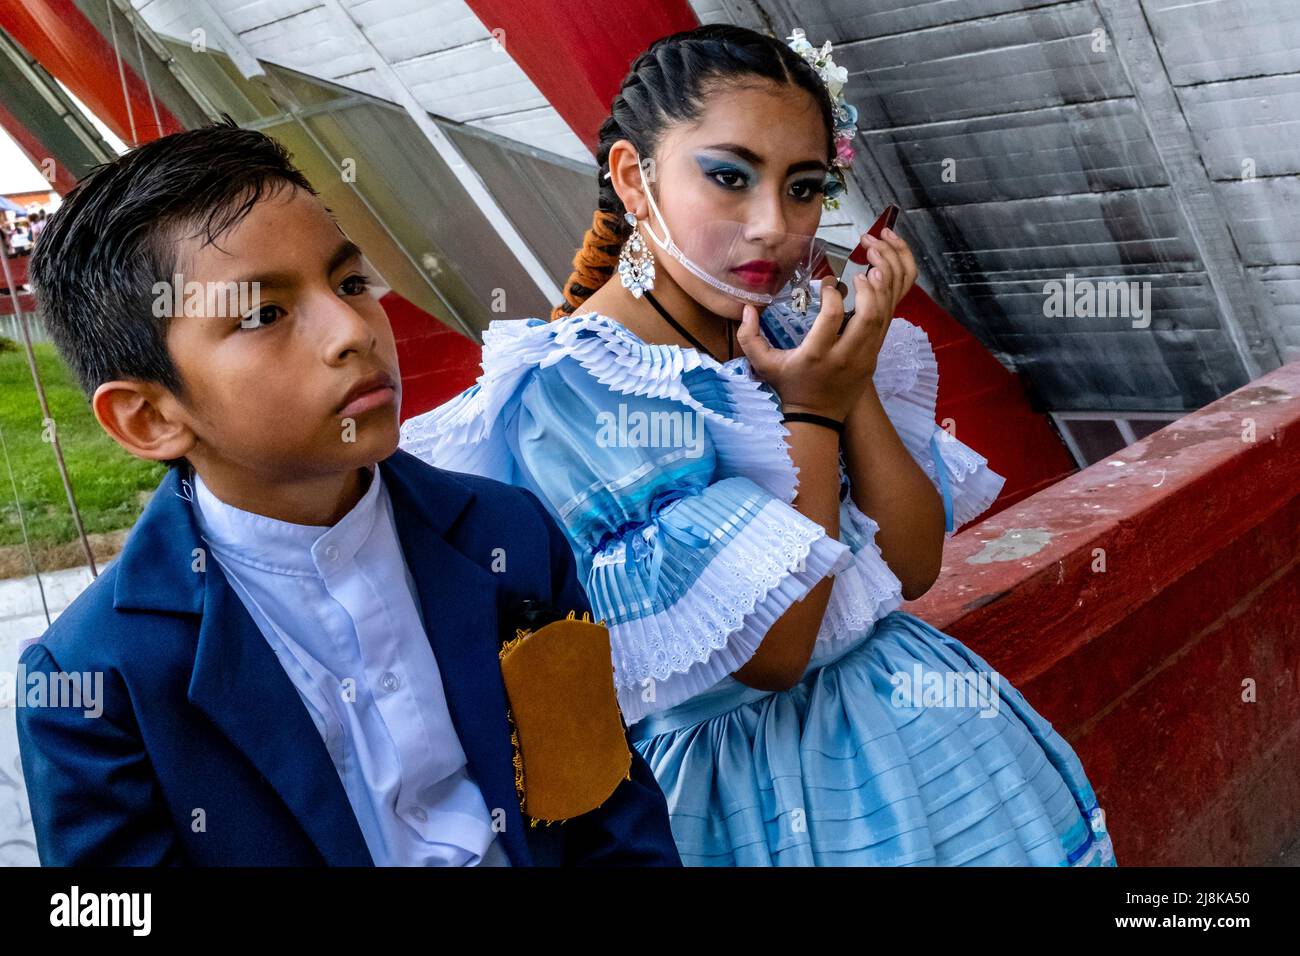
[{"x": 571, "y": 748}]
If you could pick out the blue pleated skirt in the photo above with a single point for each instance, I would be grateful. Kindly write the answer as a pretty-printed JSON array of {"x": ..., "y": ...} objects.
[{"x": 901, "y": 748}]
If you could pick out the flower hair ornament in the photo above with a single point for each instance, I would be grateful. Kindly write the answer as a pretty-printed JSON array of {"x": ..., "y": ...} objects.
[{"x": 845, "y": 114}]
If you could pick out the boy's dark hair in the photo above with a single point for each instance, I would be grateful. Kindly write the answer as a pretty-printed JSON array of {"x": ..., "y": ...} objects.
[{"x": 102, "y": 252}]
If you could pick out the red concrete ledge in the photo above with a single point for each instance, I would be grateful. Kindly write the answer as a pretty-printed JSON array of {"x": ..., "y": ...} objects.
[{"x": 1143, "y": 666}]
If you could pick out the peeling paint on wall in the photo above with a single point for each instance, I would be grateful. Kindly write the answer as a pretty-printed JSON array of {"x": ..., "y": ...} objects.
[{"x": 1014, "y": 545}]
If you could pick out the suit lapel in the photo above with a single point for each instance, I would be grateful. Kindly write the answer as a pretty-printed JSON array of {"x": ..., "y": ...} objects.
[
  {"x": 242, "y": 688},
  {"x": 459, "y": 601},
  {"x": 237, "y": 682}
]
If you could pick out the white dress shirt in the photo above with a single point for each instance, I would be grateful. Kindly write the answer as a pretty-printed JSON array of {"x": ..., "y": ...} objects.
[{"x": 338, "y": 606}]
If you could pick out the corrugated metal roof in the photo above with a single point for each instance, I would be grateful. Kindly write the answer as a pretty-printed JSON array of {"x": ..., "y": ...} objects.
[{"x": 1108, "y": 140}]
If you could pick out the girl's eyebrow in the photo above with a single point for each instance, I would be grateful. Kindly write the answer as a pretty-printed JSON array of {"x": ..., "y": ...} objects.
[{"x": 751, "y": 157}]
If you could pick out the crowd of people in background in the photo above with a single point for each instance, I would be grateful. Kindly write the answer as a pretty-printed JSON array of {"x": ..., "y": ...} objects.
[{"x": 21, "y": 234}]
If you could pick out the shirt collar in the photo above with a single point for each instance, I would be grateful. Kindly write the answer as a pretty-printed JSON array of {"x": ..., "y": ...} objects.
[{"x": 282, "y": 546}]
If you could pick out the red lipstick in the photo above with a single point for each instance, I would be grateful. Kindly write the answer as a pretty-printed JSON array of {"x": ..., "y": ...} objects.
[{"x": 758, "y": 273}]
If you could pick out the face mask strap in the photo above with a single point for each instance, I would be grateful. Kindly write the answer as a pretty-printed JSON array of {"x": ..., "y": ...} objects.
[{"x": 672, "y": 249}]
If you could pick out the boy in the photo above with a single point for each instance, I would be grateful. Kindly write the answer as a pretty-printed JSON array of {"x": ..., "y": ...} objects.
[{"x": 299, "y": 644}]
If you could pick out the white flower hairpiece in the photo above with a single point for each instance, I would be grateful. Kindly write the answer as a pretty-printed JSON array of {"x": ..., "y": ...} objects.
[{"x": 845, "y": 114}]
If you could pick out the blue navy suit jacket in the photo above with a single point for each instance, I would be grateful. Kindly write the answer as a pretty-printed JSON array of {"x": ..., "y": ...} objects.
[{"x": 204, "y": 753}]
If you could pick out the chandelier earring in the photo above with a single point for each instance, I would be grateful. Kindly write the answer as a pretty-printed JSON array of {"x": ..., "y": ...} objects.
[{"x": 636, "y": 263}]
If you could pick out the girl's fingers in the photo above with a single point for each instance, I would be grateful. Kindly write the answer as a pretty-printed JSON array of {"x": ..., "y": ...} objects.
[
  {"x": 756, "y": 348},
  {"x": 821, "y": 337},
  {"x": 891, "y": 263},
  {"x": 907, "y": 261},
  {"x": 904, "y": 254},
  {"x": 860, "y": 329},
  {"x": 875, "y": 323}
]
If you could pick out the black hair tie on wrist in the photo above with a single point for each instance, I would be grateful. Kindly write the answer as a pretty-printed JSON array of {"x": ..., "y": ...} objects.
[{"x": 837, "y": 427}]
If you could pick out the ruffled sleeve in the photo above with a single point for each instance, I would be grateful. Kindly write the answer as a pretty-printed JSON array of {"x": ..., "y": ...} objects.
[
  {"x": 665, "y": 472},
  {"x": 960, "y": 474}
]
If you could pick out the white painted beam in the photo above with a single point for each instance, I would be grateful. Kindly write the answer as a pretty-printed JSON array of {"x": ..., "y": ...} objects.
[{"x": 465, "y": 174}]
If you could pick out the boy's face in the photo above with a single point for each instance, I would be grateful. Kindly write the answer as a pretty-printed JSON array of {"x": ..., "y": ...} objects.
[{"x": 271, "y": 390}]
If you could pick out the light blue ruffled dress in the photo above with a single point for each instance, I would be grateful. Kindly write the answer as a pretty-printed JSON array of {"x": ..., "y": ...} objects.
[{"x": 671, "y": 476}]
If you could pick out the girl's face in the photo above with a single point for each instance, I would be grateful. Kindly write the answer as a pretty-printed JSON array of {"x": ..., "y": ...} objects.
[{"x": 741, "y": 190}]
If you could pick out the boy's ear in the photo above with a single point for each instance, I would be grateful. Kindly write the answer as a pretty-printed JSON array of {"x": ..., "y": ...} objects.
[
  {"x": 143, "y": 418},
  {"x": 626, "y": 178}
]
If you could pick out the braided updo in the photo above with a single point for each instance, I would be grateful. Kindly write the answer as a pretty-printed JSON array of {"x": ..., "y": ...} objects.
[{"x": 666, "y": 84}]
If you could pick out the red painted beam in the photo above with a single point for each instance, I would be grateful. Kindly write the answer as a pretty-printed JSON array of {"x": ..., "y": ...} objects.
[
  {"x": 59, "y": 37},
  {"x": 577, "y": 52},
  {"x": 35, "y": 150}
]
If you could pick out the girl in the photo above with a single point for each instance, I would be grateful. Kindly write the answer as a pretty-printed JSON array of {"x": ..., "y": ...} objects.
[{"x": 748, "y": 526}]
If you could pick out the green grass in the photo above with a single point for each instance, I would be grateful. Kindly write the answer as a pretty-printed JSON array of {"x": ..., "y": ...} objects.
[{"x": 106, "y": 480}]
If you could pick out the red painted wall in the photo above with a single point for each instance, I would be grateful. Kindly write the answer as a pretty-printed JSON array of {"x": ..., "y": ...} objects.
[
  {"x": 1135, "y": 603},
  {"x": 64, "y": 42},
  {"x": 436, "y": 362},
  {"x": 17, "y": 273}
]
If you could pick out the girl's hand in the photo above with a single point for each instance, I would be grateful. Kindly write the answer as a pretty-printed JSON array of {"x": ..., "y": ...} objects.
[
  {"x": 832, "y": 367},
  {"x": 892, "y": 275},
  {"x": 827, "y": 372},
  {"x": 893, "y": 269}
]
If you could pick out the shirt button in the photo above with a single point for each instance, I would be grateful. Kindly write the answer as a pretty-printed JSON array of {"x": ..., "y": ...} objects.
[
  {"x": 419, "y": 814},
  {"x": 389, "y": 681},
  {"x": 332, "y": 553}
]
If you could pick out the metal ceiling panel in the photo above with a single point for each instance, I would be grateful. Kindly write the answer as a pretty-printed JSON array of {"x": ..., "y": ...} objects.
[
  {"x": 442, "y": 53},
  {"x": 1139, "y": 141}
]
